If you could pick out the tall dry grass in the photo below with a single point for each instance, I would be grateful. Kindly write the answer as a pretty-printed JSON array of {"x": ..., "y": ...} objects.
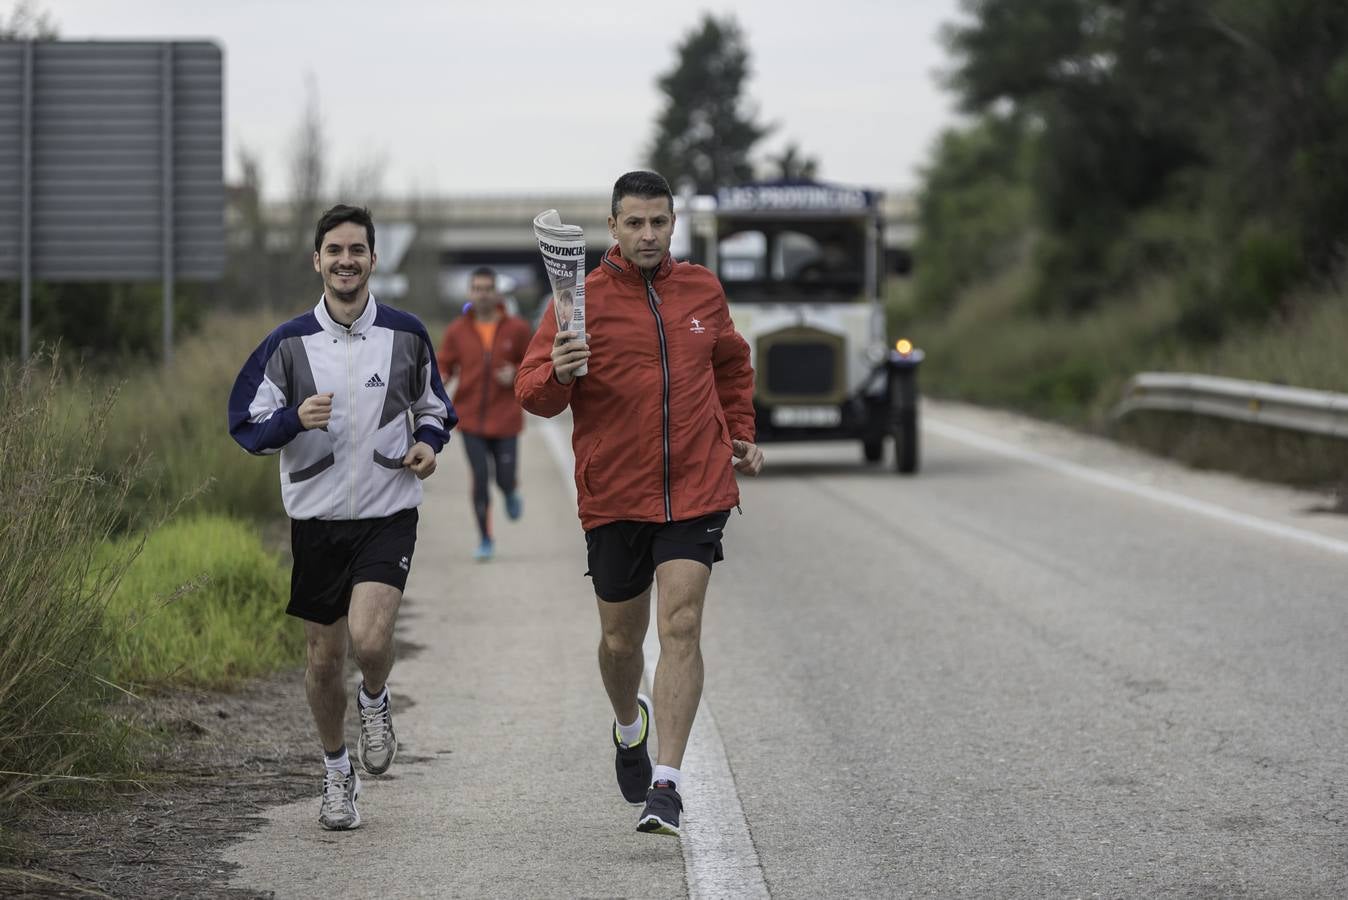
[
  {"x": 56, "y": 511},
  {"x": 178, "y": 414},
  {"x": 89, "y": 469}
]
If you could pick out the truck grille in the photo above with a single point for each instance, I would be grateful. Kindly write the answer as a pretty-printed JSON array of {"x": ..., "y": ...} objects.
[{"x": 801, "y": 368}]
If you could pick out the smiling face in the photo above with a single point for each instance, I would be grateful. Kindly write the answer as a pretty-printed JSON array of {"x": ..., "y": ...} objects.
[
  {"x": 643, "y": 228},
  {"x": 345, "y": 261}
]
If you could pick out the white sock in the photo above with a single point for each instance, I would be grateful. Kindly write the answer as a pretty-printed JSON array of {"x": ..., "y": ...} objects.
[
  {"x": 667, "y": 773},
  {"x": 367, "y": 701},
  {"x": 340, "y": 763},
  {"x": 630, "y": 734}
]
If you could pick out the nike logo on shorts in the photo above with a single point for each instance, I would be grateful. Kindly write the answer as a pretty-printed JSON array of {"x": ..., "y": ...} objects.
[{"x": 710, "y": 530}]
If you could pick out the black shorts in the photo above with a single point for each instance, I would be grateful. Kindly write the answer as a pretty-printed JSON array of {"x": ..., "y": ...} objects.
[
  {"x": 623, "y": 555},
  {"x": 332, "y": 555}
]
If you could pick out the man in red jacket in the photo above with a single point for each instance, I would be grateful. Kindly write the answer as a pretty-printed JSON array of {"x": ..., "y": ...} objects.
[
  {"x": 664, "y": 413},
  {"x": 483, "y": 347}
]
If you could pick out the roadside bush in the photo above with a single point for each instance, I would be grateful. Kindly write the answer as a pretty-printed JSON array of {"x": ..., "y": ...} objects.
[
  {"x": 202, "y": 605},
  {"x": 1264, "y": 270},
  {"x": 100, "y": 321},
  {"x": 86, "y": 471},
  {"x": 989, "y": 351}
]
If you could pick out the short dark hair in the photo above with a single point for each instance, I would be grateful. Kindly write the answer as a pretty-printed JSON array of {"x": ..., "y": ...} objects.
[
  {"x": 646, "y": 185},
  {"x": 343, "y": 213},
  {"x": 483, "y": 272}
]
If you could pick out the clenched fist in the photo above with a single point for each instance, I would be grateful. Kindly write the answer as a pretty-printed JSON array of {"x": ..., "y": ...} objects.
[
  {"x": 748, "y": 458},
  {"x": 315, "y": 411},
  {"x": 420, "y": 459}
]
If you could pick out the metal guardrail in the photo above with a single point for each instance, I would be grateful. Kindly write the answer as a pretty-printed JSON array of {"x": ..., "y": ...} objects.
[{"x": 1297, "y": 409}]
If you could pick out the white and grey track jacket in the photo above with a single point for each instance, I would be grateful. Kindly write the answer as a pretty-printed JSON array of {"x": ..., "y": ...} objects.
[{"x": 387, "y": 395}]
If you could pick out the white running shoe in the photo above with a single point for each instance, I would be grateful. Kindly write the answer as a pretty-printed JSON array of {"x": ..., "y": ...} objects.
[
  {"x": 338, "y": 810},
  {"x": 378, "y": 744}
]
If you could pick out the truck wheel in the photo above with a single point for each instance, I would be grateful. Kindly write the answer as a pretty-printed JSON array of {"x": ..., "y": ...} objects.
[
  {"x": 905, "y": 442},
  {"x": 873, "y": 449}
]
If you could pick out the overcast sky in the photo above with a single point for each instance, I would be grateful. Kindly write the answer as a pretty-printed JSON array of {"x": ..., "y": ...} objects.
[{"x": 513, "y": 95}]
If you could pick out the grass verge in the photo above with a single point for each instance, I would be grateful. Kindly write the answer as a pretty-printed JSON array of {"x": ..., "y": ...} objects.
[
  {"x": 203, "y": 605},
  {"x": 97, "y": 594},
  {"x": 994, "y": 351}
]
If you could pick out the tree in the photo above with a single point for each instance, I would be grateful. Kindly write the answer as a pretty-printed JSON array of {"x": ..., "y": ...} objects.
[
  {"x": 975, "y": 209},
  {"x": 248, "y": 267},
  {"x": 705, "y": 133},
  {"x": 308, "y": 174},
  {"x": 362, "y": 182},
  {"x": 792, "y": 165},
  {"x": 27, "y": 23}
]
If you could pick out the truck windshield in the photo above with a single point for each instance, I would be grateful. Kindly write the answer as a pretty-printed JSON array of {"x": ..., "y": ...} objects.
[{"x": 816, "y": 260}]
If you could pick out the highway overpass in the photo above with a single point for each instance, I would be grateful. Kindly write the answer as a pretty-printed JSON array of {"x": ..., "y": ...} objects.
[{"x": 451, "y": 234}]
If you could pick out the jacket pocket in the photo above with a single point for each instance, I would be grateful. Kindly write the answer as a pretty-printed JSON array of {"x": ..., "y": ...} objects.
[
  {"x": 392, "y": 442},
  {"x": 723, "y": 429},
  {"x": 387, "y": 462},
  {"x": 584, "y": 467},
  {"x": 310, "y": 471}
]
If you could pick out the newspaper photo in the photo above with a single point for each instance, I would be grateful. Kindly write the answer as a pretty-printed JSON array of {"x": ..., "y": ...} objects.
[{"x": 563, "y": 249}]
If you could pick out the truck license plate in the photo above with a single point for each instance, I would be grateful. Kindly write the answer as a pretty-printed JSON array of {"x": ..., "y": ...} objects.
[{"x": 806, "y": 416}]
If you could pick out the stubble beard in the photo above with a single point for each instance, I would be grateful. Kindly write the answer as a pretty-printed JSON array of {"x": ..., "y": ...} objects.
[{"x": 350, "y": 296}]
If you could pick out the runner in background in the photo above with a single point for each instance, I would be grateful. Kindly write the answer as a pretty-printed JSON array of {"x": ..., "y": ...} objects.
[{"x": 483, "y": 349}]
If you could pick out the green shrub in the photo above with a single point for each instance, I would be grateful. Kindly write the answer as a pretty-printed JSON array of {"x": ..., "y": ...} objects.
[
  {"x": 991, "y": 350},
  {"x": 1265, "y": 268},
  {"x": 98, "y": 320},
  {"x": 203, "y": 605}
]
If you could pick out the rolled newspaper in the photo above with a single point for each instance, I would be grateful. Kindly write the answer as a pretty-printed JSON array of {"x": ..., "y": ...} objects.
[{"x": 563, "y": 249}]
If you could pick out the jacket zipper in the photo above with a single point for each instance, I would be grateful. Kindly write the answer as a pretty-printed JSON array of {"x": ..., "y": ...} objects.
[
  {"x": 351, "y": 420},
  {"x": 653, "y": 300}
]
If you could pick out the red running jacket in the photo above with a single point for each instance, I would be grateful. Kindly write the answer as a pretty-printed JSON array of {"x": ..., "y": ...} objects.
[
  {"x": 669, "y": 386},
  {"x": 486, "y": 407}
]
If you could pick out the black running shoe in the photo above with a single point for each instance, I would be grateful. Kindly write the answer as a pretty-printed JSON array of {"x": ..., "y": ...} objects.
[
  {"x": 633, "y": 763},
  {"x": 663, "y": 805}
]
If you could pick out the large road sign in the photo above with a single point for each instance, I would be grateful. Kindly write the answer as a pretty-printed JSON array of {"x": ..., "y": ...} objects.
[{"x": 111, "y": 164}]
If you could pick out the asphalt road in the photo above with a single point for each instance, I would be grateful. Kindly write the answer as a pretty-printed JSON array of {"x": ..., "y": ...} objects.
[{"x": 1043, "y": 667}]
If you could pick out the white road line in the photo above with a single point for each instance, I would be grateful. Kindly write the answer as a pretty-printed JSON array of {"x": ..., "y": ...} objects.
[
  {"x": 719, "y": 858},
  {"x": 1124, "y": 485}
]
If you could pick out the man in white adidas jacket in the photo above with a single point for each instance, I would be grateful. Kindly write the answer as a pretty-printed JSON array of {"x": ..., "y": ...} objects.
[{"x": 350, "y": 395}]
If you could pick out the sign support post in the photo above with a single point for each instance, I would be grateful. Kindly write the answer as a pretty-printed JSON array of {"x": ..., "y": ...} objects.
[
  {"x": 167, "y": 198},
  {"x": 26, "y": 214}
]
